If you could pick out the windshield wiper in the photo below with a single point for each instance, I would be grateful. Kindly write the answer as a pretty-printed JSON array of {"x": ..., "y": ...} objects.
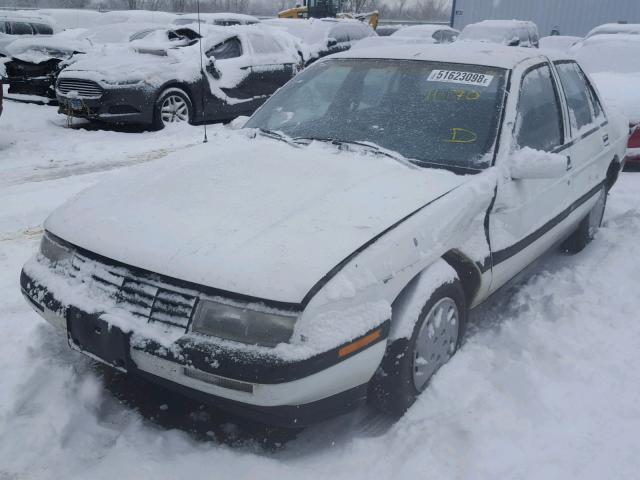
[
  {"x": 278, "y": 136},
  {"x": 368, "y": 145}
]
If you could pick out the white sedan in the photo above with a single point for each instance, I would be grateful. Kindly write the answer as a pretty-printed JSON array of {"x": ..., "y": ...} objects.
[{"x": 332, "y": 250}]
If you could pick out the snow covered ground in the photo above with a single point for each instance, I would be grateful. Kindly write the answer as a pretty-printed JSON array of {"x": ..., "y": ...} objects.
[{"x": 546, "y": 385}]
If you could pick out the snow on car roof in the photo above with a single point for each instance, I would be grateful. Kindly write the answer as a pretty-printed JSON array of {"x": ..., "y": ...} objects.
[
  {"x": 490, "y": 55},
  {"x": 219, "y": 16},
  {"x": 609, "y": 53},
  {"x": 615, "y": 28},
  {"x": 420, "y": 30},
  {"x": 313, "y": 30}
]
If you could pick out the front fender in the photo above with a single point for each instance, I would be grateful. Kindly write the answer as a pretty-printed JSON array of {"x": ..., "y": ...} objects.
[{"x": 359, "y": 296}]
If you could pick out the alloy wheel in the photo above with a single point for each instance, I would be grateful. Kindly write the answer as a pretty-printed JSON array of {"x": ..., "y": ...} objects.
[{"x": 174, "y": 110}]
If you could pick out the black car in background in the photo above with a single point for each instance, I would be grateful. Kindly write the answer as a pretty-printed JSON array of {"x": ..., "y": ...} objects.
[
  {"x": 36, "y": 62},
  {"x": 155, "y": 83}
]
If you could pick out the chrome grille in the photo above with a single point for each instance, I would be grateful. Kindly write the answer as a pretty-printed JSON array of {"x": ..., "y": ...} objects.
[
  {"x": 152, "y": 299},
  {"x": 85, "y": 88}
]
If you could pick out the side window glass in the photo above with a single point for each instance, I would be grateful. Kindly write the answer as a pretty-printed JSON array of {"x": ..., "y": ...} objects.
[
  {"x": 262, "y": 44},
  {"x": 581, "y": 109},
  {"x": 230, "y": 48},
  {"x": 593, "y": 97},
  {"x": 42, "y": 29},
  {"x": 340, "y": 34},
  {"x": 539, "y": 122},
  {"x": 3, "y": 29},
  {"x": 21, "y": 28}
]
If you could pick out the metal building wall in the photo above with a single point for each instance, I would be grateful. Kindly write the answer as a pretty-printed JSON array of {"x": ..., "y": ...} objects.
[{"x": 573, "y": 17}]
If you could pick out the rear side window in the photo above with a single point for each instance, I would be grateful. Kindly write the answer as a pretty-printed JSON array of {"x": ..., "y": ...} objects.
[
  {"x": 263, "y": 44},
  {"x": 42, "y": 29},
  {"x": 341, "y": 34},
  {"x": 3, "y": 28},
  {"x": 20, "y": 28},
  {"x": 539, "y": 125},
  {"x": 226, "y": 23},
  {"x": 230, "y": 48},
  {"x": 580, "y": 97}
]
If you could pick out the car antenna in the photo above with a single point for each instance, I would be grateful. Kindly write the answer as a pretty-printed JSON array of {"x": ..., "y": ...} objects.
[{"x": 204, "y": 124}]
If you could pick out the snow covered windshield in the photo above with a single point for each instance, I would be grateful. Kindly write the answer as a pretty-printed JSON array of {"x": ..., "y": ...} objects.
[{"x": 436, "y": 114}]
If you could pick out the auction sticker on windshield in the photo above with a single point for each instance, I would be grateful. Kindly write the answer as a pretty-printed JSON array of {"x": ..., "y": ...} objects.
[{"x": 454, "y": 76}]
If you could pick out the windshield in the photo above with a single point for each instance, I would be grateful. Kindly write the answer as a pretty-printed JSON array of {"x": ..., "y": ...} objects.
[{"x": 433, "y": 113}]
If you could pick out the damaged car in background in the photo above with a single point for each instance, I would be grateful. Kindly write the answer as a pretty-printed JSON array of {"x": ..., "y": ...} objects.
[
  {"x": 330, "y": 251},
  {"x": 34, "y": 63},
  {"x": 151, "y": 82}
]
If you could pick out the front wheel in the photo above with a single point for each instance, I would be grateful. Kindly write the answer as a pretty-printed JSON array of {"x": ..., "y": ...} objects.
[
  {"x": 173, "y": 106},
  {"x": 410, "y": 363},
  {"x": 588, "y": 227}
]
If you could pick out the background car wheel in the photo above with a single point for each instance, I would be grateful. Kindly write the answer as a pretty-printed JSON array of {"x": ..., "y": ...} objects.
[
  {"x": 409, "y": 364},
  {"x": 588, "y": 226},
  {"x": 173, "y": 106}
]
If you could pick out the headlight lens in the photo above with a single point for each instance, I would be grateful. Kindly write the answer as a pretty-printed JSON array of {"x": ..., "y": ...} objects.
[
  {"x": 242, "y": 324},
  {"x": 54, "y": 251}
]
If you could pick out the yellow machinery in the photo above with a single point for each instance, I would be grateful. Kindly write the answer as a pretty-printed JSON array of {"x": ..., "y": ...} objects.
[{"x": 326, "y": 9}]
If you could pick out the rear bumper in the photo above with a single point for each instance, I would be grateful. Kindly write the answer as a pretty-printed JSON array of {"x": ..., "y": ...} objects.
[{"x": 257, "y": 386}]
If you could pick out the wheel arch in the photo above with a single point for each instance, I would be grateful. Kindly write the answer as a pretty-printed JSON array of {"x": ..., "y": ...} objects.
[
  {"x": 613, "y": 171},
  {"x": 466, "y": 270},
  {"x": 185, "y": 87}
]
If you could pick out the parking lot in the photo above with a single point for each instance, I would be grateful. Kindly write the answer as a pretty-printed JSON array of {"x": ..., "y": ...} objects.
[{"x": 544, "y": 386}]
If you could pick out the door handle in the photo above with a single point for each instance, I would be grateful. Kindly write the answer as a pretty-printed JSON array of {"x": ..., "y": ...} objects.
[{"x": 569, "y": 164}]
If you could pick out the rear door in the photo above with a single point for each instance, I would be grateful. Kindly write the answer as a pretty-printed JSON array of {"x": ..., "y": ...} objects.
[
  {"x": 525, "y": 219},
  {"x": 273, "y": 65},
  {"x": 230, "y": 73},
  {"x": 591, "y": 148}
]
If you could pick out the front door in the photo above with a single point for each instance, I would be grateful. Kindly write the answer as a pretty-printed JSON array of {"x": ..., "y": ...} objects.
[{"x": 522, "y": 221}]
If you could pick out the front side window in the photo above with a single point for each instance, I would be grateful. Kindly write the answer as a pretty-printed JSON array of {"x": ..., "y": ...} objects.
[
  {"x": 582, "y": 111},
  {"x": 230, "y": 48},
  {"x": 21, "y": 28},
  {"x": 437, "y": 114},
  {"x": 539, "y": 124}
]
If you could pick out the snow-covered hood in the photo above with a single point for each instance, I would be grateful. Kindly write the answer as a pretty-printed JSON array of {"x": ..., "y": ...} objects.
[
  {"x": 256, "y": 217},
  {"x": 114, "y": 64},
  {"x": 41, "y": 49}
]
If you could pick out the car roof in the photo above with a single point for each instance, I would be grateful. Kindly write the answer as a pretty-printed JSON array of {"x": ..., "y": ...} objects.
[
  {"x": 24, "y": 18},
  {"x": 615, "y": 28},
  {"x": 472, "y": 53}
]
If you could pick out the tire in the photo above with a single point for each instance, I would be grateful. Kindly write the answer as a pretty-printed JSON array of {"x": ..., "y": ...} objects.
[
  {"x": 403, "y": 374},
  {"x": 173, "y": 106},
  {"x": 588, "y": 227}
]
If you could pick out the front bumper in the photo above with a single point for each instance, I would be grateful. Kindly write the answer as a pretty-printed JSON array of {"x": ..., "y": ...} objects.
[
  {"x": 258, "y": 386},
  {"x": 122, "y": 104}
]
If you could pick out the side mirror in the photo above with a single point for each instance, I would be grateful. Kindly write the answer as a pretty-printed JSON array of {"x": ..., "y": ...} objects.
[
  {"x": 212, "y": 69},
  {"x": 535, "y": 164},
  {"x": 332, "y": 42}
]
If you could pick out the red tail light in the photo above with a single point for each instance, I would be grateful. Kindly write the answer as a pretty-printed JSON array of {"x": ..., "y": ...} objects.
[{"x": 634, "y": 139}]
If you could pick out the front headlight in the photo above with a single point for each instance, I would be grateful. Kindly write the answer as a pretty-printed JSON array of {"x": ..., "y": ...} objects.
[
  {"x": 242, "y": 324},
  {"x": 53, "y": 250}
]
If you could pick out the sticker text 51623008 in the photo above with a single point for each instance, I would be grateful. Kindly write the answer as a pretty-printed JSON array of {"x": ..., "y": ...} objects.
[{"x": 454, "y": 76}]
